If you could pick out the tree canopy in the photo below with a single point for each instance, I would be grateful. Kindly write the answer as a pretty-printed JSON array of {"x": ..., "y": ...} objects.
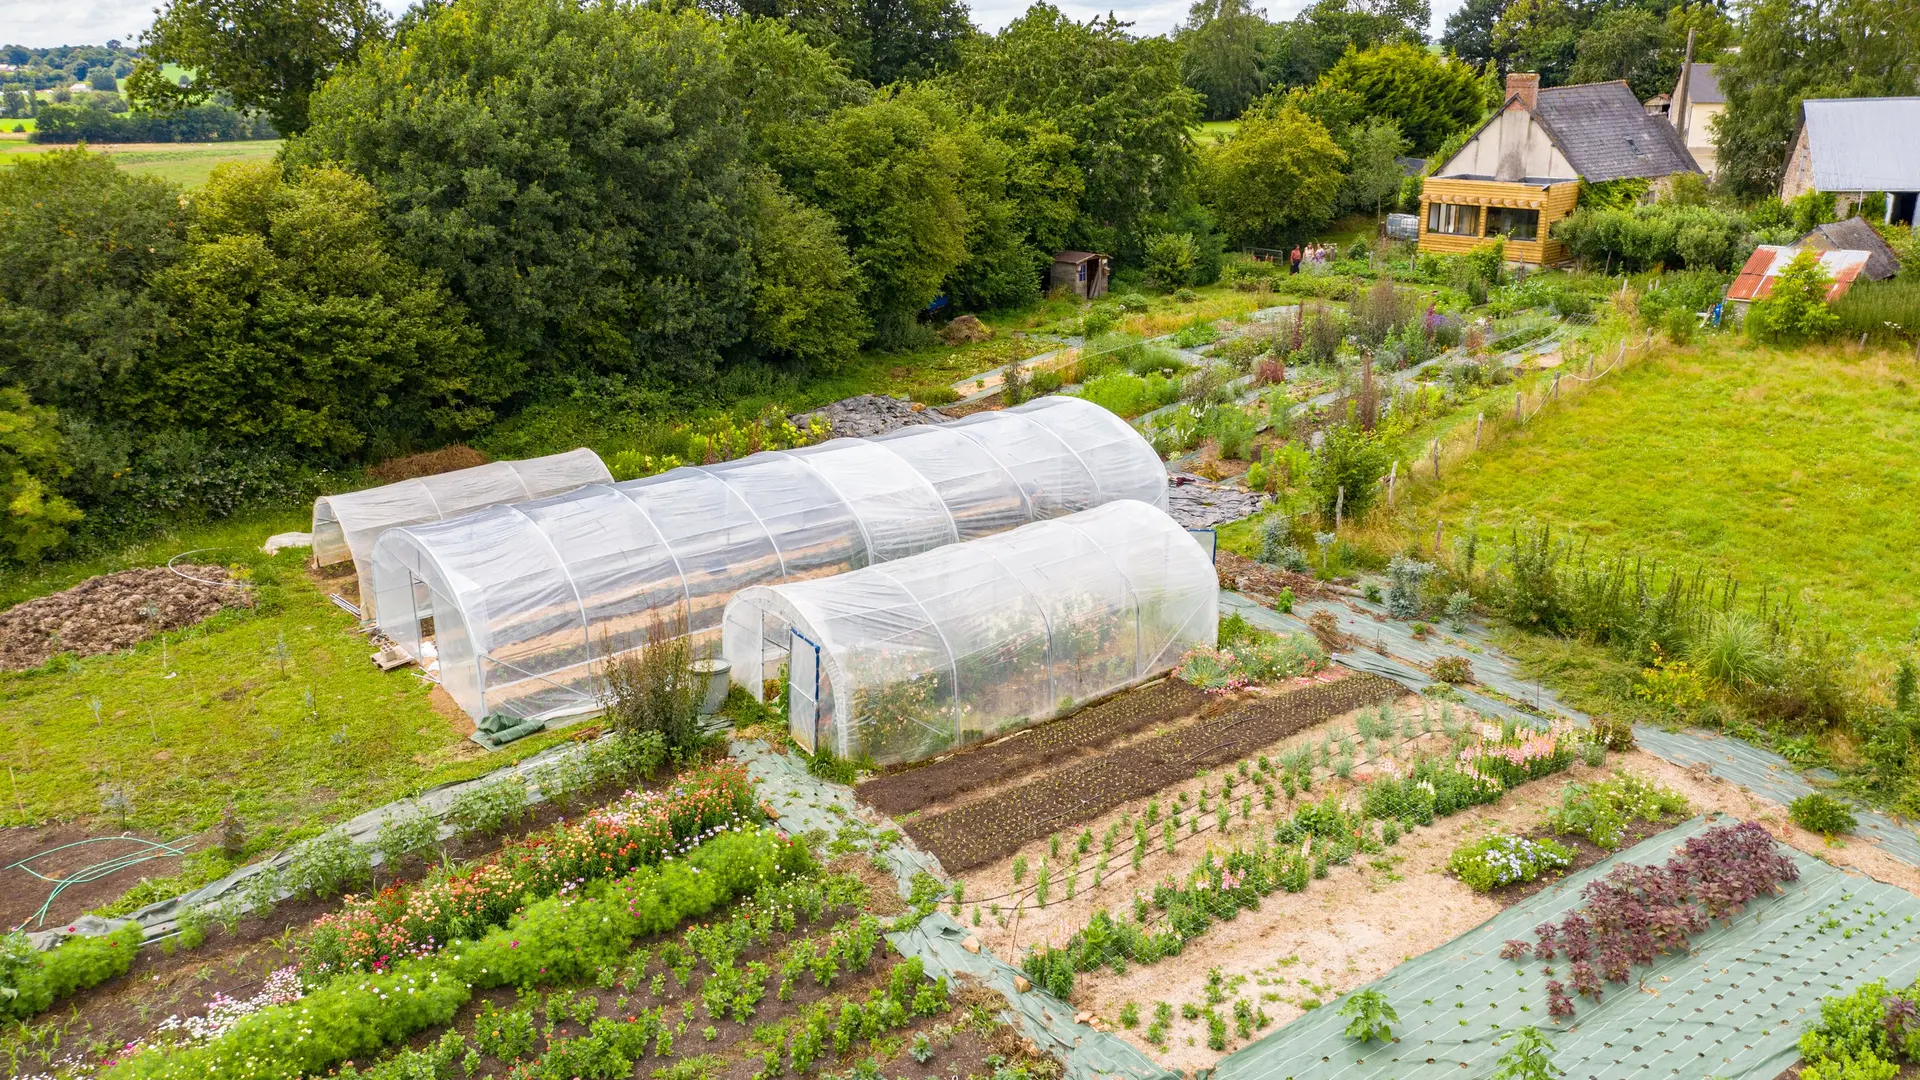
[
  {"x": 263, "y": 54},
  {"x": 1428, "y": 97},
  {"x": 1276, "y": 179}
]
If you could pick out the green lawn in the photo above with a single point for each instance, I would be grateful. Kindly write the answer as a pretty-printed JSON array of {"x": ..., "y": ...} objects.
[
  {"x": 1793, "y": 469},
  {"x": 186, "y": 164},
  {"x": 295, "y": 736}
]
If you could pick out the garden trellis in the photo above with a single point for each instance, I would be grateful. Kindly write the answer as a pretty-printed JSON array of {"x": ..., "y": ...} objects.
[
  {"x": 951, "y": 647},
  {"x": 346, "y": 526},
  {"x": 527, "y": 600}
]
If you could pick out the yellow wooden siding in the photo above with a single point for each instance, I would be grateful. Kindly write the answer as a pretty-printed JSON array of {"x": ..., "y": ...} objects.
[{"x": 1554, "y": 201}]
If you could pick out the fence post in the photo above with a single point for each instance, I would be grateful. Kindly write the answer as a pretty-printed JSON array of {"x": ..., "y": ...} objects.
[
  {"x": 1339, "y": 505},
  {"x": 1393, "y": 477},
  {"x": 1436, "y": 539},
  {"x": 1479, "y": 421},
  {"x": 1436, "y": 459},
  {"x": 1517, "y": 396}
]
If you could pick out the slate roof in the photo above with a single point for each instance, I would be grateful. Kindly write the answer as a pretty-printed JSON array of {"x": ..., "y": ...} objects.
[
  {"x": 1704, "y": 87},
  {"x": 1854, "y": 234},
  {"x": 1864, "y": 144},
  {"x": 1607, "y": 134}
]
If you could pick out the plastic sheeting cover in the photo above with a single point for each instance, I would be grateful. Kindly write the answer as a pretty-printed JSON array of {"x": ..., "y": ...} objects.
[
  {"x": 527, "y": 598},
  {"x": 958, "y": 645},
  {"x": 346, "y": 526},
  {"x": 1732, "y": 1007}
]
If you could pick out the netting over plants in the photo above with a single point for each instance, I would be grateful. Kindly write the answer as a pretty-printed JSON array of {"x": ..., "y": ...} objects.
[
  {"x": 526, "y": 600},
  {"x": 903, "y": 661},
  {"x": 345, "y": 526}
]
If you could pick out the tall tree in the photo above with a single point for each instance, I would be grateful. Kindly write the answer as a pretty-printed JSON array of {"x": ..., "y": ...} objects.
[
  {"x": 1226, "y": 45},
  {"x": 593, "y": 208},
  {"x": 1469, "y": 30},
  {"x": 882, "y": 41},
  {"x": 1373, "y": 166},
  {"x": 1120, "y": 98},
  {"x": 264, "y": 54},
  {"x": 1791, "y": 50},
  {"x": 1275, "y": 179},
  {"x": 81, "y": 239},
  {"x": 294, "y": 325},
  {"x": 1429, "y": 97},
  {"x": 1539, "y": 36},
  {"x": 1316, "y": 39},
  {"x": 1645, "y": 49}
]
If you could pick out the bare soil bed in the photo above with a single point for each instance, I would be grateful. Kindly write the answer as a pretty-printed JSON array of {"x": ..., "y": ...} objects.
[
  {"x": 109, "y": 612},
  {"x": 1023, "y": 752},
  {"x": 989, "y": 828},
  {"x": 22, "y": 894},
  {"x": 1241, "y": 574}
]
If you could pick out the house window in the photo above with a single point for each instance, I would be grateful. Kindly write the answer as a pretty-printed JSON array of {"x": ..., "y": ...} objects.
[
  {"x": 1513, "y": 224},
  {"x": 1453, "y": 220}
]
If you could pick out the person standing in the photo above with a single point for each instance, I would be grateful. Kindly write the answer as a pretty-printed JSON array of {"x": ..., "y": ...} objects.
[{"x": 1293, "y": 259}]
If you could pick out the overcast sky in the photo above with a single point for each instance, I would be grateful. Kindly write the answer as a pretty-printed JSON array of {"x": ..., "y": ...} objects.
[{"x": 39, "y": 23}]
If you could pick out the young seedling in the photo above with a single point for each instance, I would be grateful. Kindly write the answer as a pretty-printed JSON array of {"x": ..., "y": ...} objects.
[{"x": 1527, "y": 1058}]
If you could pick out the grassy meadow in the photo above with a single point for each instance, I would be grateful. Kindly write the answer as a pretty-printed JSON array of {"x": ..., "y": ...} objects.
[
  {"x": 186, "y": 164},
  {"x": 1789, "y": 469}
]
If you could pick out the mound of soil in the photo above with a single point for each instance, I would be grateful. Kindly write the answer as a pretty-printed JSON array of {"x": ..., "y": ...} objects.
[
  {"x": 431, "y": 463},
  {"x": 112, "y": 611},
  {"x": 965, "y": 330}
]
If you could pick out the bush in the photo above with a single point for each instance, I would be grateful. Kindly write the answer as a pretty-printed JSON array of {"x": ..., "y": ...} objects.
[
  {"x": 1454, "y": 670},
  {"x": 1601, "y": 812},
  {"x": 1660, "y": 234},
  {"x": 1822, "y": 814},
  {"x": 1369, "y": 1016},
  {"x": 655, "y": 689},
  {"x": 1349, "y": 460},
  {"x": 1493, "y": 861},
  {"x": 30, "y": 980},
  {"x": 1856, "y": 1035},
  {"x": 1795, "y": 309}
]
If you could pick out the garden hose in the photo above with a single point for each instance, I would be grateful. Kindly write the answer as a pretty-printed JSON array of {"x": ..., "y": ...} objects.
[{"x": 153, "y": 849}]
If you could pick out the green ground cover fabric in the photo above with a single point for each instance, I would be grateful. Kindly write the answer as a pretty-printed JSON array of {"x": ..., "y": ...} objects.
[{"x": 1734, "y": 1008}]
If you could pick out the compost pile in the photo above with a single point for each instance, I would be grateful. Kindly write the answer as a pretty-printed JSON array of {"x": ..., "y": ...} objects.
[
  {"x": 1257, "y": 578},
  {"x": 112, "y": 611},
  {"x": 867, "y": 415}
]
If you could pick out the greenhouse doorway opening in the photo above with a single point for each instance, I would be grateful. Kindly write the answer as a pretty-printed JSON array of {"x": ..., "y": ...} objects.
[{"x": 803, "y": 691}]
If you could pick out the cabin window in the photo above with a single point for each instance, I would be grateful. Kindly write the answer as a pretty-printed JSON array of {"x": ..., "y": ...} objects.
[
  {"x": 1083, "y": 271},
  {"x": 1513, "y": 224},
  {"x": 1452, "y": 219}
]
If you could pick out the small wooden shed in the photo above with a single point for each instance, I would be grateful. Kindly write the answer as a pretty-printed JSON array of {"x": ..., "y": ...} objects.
[{"x": 1084, "y": 272}]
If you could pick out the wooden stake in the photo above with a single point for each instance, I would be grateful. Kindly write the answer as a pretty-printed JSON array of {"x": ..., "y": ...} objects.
[
  {"x": 1517, "y": 396},
  {"x": 1339, "y": 505},
  {"x": 1436, "y": 459},
  {"x": 1436, "y": 539},
  {"x": 1479, "y": 422},
  {"x": 1393, "y": 477},
  {"x": 15, "y": 781}
]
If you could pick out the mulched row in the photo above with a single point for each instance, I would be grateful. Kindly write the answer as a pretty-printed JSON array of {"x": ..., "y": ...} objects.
[
  {"x": 993, "y": 828},
  {"x": 1090, "y": 729}
]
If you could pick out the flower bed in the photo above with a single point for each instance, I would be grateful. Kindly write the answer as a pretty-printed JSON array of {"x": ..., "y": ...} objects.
[
  {"x": 1636, "y": 912},
  {"x": 557, "y": 940},
  {"x": 1490, "y": 862},
  {"x": 375, "y": 932}
]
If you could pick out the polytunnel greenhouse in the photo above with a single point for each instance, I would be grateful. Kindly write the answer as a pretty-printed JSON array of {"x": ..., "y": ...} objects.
[
  {"x": 345, "y": 526},
  {"x": 912, "y": 658},
  {"x": 525, "y": 600}
]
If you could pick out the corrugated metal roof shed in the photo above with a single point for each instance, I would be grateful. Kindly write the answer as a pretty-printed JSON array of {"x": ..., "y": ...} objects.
[
  {"x": 1756, "y": 277},
  {"x": 1854, "y": 234},
  {"x": 1864, "y": 144},
  {"x": 1607, "y": 134}
]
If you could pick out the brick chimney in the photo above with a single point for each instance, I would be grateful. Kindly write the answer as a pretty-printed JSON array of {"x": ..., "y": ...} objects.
[{"x": 1526, "y": 84}]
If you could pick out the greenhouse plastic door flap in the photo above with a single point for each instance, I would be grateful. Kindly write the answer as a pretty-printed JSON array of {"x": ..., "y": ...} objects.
[{"x": 803, "y": 696}]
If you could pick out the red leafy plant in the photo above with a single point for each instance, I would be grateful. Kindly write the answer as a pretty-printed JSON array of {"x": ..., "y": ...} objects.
[{"x": 1636, "y": 913}]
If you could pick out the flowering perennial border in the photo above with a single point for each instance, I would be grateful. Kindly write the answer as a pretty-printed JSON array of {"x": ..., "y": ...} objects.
[
  {"x": 411, "y": 920},
  {"x": 558, "y": 940}
]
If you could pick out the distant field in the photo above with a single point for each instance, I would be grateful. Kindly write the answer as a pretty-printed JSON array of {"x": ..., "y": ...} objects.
[
  {"x": 1785, "y": 468},
  {"x": 186, "y": 164},
  {"x": 1215, "y": 131}
]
